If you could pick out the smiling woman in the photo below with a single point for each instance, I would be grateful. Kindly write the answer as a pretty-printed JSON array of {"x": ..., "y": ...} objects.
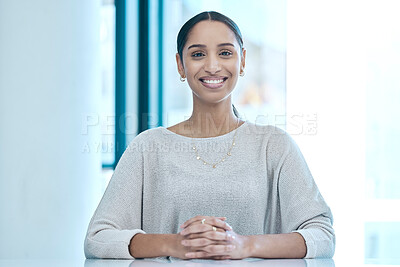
[
  {"x": 211, "y": 60},
  {"x": 213, "y": 186}
]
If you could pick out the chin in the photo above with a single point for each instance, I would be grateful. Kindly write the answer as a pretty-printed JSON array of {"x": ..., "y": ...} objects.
[{"x": 212, "y": 98}]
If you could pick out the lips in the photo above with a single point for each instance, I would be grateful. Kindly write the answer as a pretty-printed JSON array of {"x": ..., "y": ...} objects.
[{"x": 213, "y": 82}]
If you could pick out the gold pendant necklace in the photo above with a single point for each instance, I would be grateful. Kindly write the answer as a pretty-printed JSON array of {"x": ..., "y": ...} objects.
[{"x": 228, "y": 154}]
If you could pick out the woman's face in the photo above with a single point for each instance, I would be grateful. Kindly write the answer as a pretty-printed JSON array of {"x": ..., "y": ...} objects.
[{"x": 211, "y": 61}]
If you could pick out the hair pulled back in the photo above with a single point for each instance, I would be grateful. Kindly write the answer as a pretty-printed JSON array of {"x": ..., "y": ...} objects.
[{"x": 210, "y": 16}]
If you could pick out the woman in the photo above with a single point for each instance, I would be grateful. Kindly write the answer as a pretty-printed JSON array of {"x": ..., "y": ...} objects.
[{"x": 212, "y": 186}]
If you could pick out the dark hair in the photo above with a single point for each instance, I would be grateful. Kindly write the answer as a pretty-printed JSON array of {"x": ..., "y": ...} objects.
[
  {"x": 207, "y": 15},
  {"x": 211, "y": 16}
]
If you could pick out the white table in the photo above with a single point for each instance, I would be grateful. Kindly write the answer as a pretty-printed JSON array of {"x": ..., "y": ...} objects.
[{"x": 158, "y": 262}]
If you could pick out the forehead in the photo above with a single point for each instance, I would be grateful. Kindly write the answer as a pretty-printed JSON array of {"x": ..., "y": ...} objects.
[{"x": 211, "y": 33}]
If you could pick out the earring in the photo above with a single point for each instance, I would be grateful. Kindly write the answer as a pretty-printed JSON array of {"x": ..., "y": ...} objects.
[
  {"x": 183, "y": 79},
  {"x": 241, "y": 74}
]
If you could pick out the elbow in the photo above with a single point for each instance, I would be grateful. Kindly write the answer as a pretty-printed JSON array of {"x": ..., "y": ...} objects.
[
  {"x": 322, "y": 246},
  {"x": 319, "y": 236},
  {"x": 331, "y": 246},
  {"x": 320, "y": 241},
  {"x": 328, "y": 242},
  {"x": 109, "y": 244},
  {"x": 90, "y": 250}
]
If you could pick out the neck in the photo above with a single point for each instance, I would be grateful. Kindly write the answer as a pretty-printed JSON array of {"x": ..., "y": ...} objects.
[{"x": 212, "y": 120}]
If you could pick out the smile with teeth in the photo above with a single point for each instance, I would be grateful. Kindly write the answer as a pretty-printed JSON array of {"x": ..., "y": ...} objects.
[{"x": 213, "y": 83}]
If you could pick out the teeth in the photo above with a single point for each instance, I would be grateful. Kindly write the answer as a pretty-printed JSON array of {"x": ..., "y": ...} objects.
[{"x": 213, "y": 81}]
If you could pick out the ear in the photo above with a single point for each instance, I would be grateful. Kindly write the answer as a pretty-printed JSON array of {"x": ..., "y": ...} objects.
[
  {"x": 243, "y": 60},
  {"x": 179, "y": 64}
]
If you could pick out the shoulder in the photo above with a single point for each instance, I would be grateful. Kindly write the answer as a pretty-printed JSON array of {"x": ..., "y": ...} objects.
[
  {"x": 146, "y": 137},
  {"x": 269, "y": 133},
  {"x": 274, "y": 140}
]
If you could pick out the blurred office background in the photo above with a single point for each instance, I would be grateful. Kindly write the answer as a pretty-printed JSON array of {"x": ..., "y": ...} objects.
[{"x": 80, "y": 79}]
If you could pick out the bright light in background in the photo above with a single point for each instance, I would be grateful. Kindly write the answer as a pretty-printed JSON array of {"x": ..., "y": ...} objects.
[
  {"x": 382, "y": 209},
  {"x": 343, "y": 65},
  {"x": 325, "y": 77}
]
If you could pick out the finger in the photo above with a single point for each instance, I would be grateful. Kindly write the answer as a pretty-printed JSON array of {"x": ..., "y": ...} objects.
[
  {"x": 200, "y": 228},
  {"x": 219, "y": 235},
  {"x": 220, "y": 257},
  {"x": 219, "y": 223},
  {"x": 202, "y": 255},
  {"x": 224, "y": 257},
  {"x": 213, "y": 221},
  {"x": 212, "y": 251},
  {"x": 199, "y": 218},
  {"x": 191, "y": 220},
  {"x": 219, "y": 249},
  {"x": 208, "y": 228},
  {"x": 196, "y": 228},
  {"x": 197, "y": 255},
  {"x": 202, "y": 241},
  {"x": 198, "y": 242}
]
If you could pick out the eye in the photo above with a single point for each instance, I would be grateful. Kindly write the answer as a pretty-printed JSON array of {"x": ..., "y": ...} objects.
[
  {"x": 226, "y": 53},
  {"x": 197, "y": 54}
]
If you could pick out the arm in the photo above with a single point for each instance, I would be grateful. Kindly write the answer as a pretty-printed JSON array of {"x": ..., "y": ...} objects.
[
  {"x": 302, "y": 207},
  {"x": 118, "y": 217},
  {"x": 154, "y": 245},
  {"x": 276, "y": 246}
]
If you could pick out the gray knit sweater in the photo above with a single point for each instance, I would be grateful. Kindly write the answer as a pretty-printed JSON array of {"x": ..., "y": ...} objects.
[{"x": 263, "y": 187}]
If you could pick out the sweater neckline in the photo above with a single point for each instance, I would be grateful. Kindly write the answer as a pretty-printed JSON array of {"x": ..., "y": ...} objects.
[{"x": 204, "y": 138}]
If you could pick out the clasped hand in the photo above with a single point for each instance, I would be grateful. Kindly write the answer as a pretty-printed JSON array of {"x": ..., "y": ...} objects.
[{"x": 201, "y": 240}]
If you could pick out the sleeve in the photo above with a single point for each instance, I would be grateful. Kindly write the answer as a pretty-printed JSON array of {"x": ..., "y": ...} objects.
[
  {"x": 303, "y": 209},
  {"x": 119, "y": 214}
]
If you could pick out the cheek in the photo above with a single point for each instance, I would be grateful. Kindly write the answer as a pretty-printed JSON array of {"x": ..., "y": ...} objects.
[
  {"x": 192, "y": 69},
  {"x": 234, "y": 68}
]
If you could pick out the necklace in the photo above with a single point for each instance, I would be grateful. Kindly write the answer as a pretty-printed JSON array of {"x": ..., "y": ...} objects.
[{"x": 228, "y": 154}]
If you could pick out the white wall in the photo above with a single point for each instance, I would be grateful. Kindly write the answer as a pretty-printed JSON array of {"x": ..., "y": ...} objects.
[{"x": 49, "y": 82}]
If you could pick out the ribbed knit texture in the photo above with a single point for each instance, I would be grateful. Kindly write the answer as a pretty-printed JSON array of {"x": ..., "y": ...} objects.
[{"x": 264, "y": 187}]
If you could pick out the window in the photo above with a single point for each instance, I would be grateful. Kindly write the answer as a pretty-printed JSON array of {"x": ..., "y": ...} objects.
[
  {"x": 382, "y": 225},
  {"x": 346, "y": 71},
  {"x": 107, "y": 115}
]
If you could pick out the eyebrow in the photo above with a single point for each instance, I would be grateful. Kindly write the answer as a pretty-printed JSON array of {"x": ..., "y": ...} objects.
[{"x": 202, "y": 46}]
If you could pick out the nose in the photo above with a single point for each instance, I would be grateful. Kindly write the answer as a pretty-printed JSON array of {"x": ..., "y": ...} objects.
[{"x": 212, "y": 65}]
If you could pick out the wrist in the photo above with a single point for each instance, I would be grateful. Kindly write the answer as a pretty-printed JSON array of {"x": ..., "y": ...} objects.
[
  {"x": 249, "y": 246},
  {"x": 171, "y": 245}
]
